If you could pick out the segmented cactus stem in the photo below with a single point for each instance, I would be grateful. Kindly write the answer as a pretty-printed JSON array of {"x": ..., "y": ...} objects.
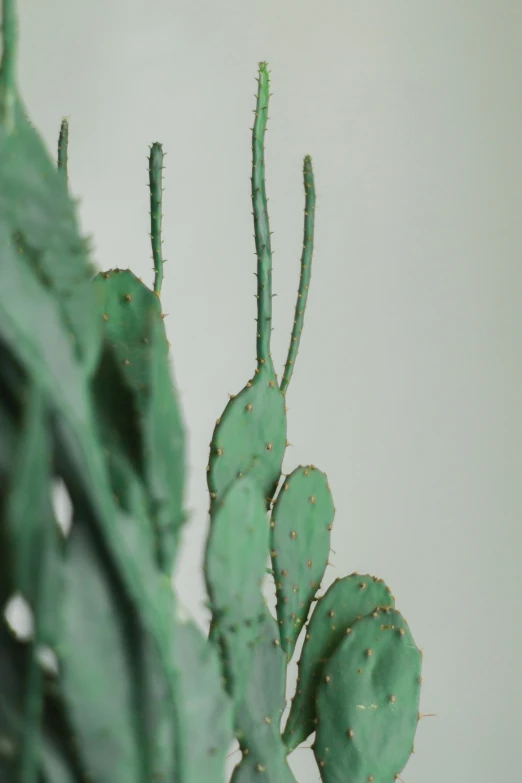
[
  {"x": 155, "y": 182},
  {"x": 261, "y": 224},
  {"x": 63, "y": 146},
  {"x": 8, "y": 63},
  {"x": 306, "y": 269}
]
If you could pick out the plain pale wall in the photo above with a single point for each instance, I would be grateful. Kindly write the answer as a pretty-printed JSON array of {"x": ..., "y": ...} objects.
[{"x": 407, "y": 390}]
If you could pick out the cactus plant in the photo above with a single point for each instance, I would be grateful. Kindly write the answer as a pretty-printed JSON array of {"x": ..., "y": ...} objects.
[
  {"x": 116, "y": 683},
  {"x": 301, "y": 515}
]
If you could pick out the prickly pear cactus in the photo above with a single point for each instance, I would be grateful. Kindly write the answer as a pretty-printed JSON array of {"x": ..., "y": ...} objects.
[
  {"x": 113, "y": 682},
  {"x": 249, "y": 439}
]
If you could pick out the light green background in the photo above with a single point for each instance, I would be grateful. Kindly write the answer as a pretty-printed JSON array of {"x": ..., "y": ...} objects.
[{"x": 408, "y": 386}]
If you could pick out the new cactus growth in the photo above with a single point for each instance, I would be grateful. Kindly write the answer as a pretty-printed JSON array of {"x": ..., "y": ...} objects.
[
  {"x": 300, "y": 527},
  {"x": 155, "y": 182},
  {"x": 135, "y": 692},
  {"x": 306, "y": 269},
  {"x": 63, "y": 148}
]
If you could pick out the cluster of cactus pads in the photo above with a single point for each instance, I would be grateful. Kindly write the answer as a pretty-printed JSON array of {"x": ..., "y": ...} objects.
[{"x": 115, "y": 684}]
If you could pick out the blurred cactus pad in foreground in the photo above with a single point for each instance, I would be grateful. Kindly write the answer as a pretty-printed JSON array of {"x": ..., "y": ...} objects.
[{"x": 113, "y": 683}]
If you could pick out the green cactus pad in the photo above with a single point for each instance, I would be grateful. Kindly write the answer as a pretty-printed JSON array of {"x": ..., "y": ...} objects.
[
  {"x": 32, "y": 529},
  {"x": 34, "y": 332},
  {"x": 13, "y": 666},
  {"x": 207, "y": 727},
  {"x": 158, "y": 728},
  {"x": 165, "y": 450},
  {"x": 346, "y": 600},
  {"x": 258, "y": 716},
  {"x": 44, "y": 232},
  {"x": 251, "y": 428},
  {"x": 235, "y": 561},
  {"x": 32, "y": 328},
  {"x": 131, "y": 315},
  {"x": 300, "y": 543},
  {"x": 160, "y": 732},
  {"x": 80, "y": 462},
  {"x": 37, "y": 566},
  {"x": 202, "y": 721},
  {"x": 106, "y": 651},
  {"x": 99, "y": 668},
  {"x": 127, "y": 308},
  {"x": 368, "y": 702},
  {"x": 156, "y": 713},
  {"x": 125, "y": 305}
]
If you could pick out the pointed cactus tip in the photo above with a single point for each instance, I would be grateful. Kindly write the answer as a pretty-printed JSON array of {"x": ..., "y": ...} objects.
[
  {"x": 262, "y": 233},
  {"x": 63, "y": 147},
  {"x": 156, "y": 198},
  {"x": 305, "y": 274}
]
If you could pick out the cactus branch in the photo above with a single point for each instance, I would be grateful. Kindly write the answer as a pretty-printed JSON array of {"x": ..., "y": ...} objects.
[
  {"x": 155, "y": 182},
  {"x": 261, "y": 224},
  {"x": 306, "y": 268},
  {"x": 63, "y": 146},
  {"x": 7, "y": 64}
]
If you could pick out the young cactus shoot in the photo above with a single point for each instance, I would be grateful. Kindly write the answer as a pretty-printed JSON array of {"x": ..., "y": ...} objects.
[
  {"x": 63, "y": 148},
  {"x": 155, "y": 185}
]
